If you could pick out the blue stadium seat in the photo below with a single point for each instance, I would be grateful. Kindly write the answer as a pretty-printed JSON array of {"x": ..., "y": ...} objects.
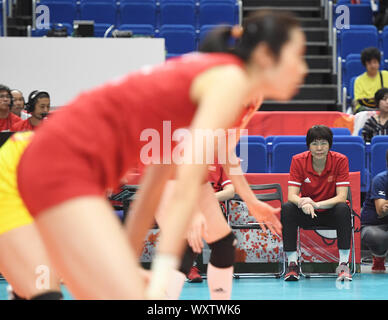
[
  {"x": 269, "y": 139},
  {"x": 379, "y": 139},
  {"x": 179, "y": 38},
  {"x": 351, "y": 89},
  {"x": 139, "y": 29},
  {"x": 358, "y": 13},
  {"x": 282, "y": 154},
  {"x": 61, "y": 11},
  {"x": 341, "y": 131},
  {"x": 204, "y": 1},
  {"x": 253, "y": 158},
  {"x": 217, "y": 12},
  {"x": 357, "y": 38},
  {"x": 100, "y": 29},
  {"x": 384, "y": 45},
  {"x": 68, "y": 1},
  {"x": 279, "y": 139},
  {"x": 352, "y": 67},
  {"x": 178, "y": 12},
  {"x": 348, "y": 139},
  {"x": 137, "y": 12},
  {"x": 252, "y": 138},
  {"x": 379, "y": 146},
  {"x": 99, "y": 1},
  {"x": 356, "y": 156},
  {"x": 99, "y": 12}
]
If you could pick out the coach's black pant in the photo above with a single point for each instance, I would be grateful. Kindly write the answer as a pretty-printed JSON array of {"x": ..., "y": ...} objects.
[{"x": 337, "y": 218}]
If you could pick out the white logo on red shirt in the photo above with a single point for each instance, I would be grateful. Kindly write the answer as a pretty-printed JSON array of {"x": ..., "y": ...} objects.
[{"x": 307, "y": 180}]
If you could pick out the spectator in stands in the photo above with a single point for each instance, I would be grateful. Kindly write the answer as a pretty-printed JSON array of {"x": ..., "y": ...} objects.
[
  {"x": 374, "y": 220},
  {"x": 19, "y": 104},
  {"x": 317, "y": 192},
  {"x": 7, "y": 118},
  {"x": 378, "y": 123},
  {"x": 381, "y": 16},
  {"x": 38, "y": 106},
  {"x": 370, "y": 81}
]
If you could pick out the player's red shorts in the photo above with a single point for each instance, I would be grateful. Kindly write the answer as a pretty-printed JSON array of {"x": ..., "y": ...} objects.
[{"x": 52, "y": 172}]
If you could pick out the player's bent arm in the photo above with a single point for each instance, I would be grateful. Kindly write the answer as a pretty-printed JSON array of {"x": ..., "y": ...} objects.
[
  {"x": 225, "y": 194},
  {"x": 143, "y": 208},
  {"x": 341, "y": 196}
]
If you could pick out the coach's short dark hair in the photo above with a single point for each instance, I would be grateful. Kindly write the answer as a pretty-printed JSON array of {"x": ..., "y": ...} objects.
[
  {"x": 319, "y": 132},
  {"x": 369, "y": 54}
]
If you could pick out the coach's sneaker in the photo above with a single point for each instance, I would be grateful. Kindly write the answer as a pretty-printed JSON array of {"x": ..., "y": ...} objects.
[
  {"x": 343, "y": 272},
  {"x": 292, "y": 272},
  {"x": 194, "y": 275},
  {"x": 378, "y": 264}
]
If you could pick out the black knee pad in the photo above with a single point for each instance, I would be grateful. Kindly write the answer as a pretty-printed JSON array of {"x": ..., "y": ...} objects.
[
  {"x": 52, "y": 295},
  {"x": 187, "y": 260},
  {"x": 223, "y": 251}
]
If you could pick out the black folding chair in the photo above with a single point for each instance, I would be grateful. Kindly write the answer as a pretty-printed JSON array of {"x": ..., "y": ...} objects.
[
  {"x": 125, "y": 196},
  {"x": 276, "y": 195},
  {"x": 353, "y": 251}
]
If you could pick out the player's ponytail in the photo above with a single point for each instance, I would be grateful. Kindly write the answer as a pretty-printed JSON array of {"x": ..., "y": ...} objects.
[
  {"x": 217, "y": 40},
  {"x": 272, "y": 28}
]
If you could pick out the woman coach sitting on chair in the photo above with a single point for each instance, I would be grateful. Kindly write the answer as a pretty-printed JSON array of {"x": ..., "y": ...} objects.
[{"x": 317, "y": 191}]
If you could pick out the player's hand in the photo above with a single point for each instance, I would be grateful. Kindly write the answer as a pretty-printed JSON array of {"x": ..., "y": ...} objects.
[
  {"x": 309, "y": 210},
  {"x": 197, "y": 231},
  {"x": 266, "y": 215}
]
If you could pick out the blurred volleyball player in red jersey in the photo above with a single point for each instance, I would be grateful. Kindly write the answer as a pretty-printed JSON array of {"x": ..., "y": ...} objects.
[{"x": 198, "y": 91}]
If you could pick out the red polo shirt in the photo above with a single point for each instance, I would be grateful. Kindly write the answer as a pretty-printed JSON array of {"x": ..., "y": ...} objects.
[
  {"x": 24, "y": 125},
  {"x": 319, "y": 187},
  {"x": 218, "y": 177},
  {"x": 7, "y": 124}
]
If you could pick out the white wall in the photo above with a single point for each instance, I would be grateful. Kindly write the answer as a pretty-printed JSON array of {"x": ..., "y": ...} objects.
[{"x": 66, "y": 66}]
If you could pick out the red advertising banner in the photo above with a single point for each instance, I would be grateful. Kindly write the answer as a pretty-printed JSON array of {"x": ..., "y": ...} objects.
[
  {"x": 272, "y": 123},
  {"x": 259, "y": 246}
]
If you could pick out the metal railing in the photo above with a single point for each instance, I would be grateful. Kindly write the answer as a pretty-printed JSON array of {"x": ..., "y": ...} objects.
[
  {"x": 240, "y": 12},
  {"x": 33, "y": 22},
  {"x": 4, "y": 12}
]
